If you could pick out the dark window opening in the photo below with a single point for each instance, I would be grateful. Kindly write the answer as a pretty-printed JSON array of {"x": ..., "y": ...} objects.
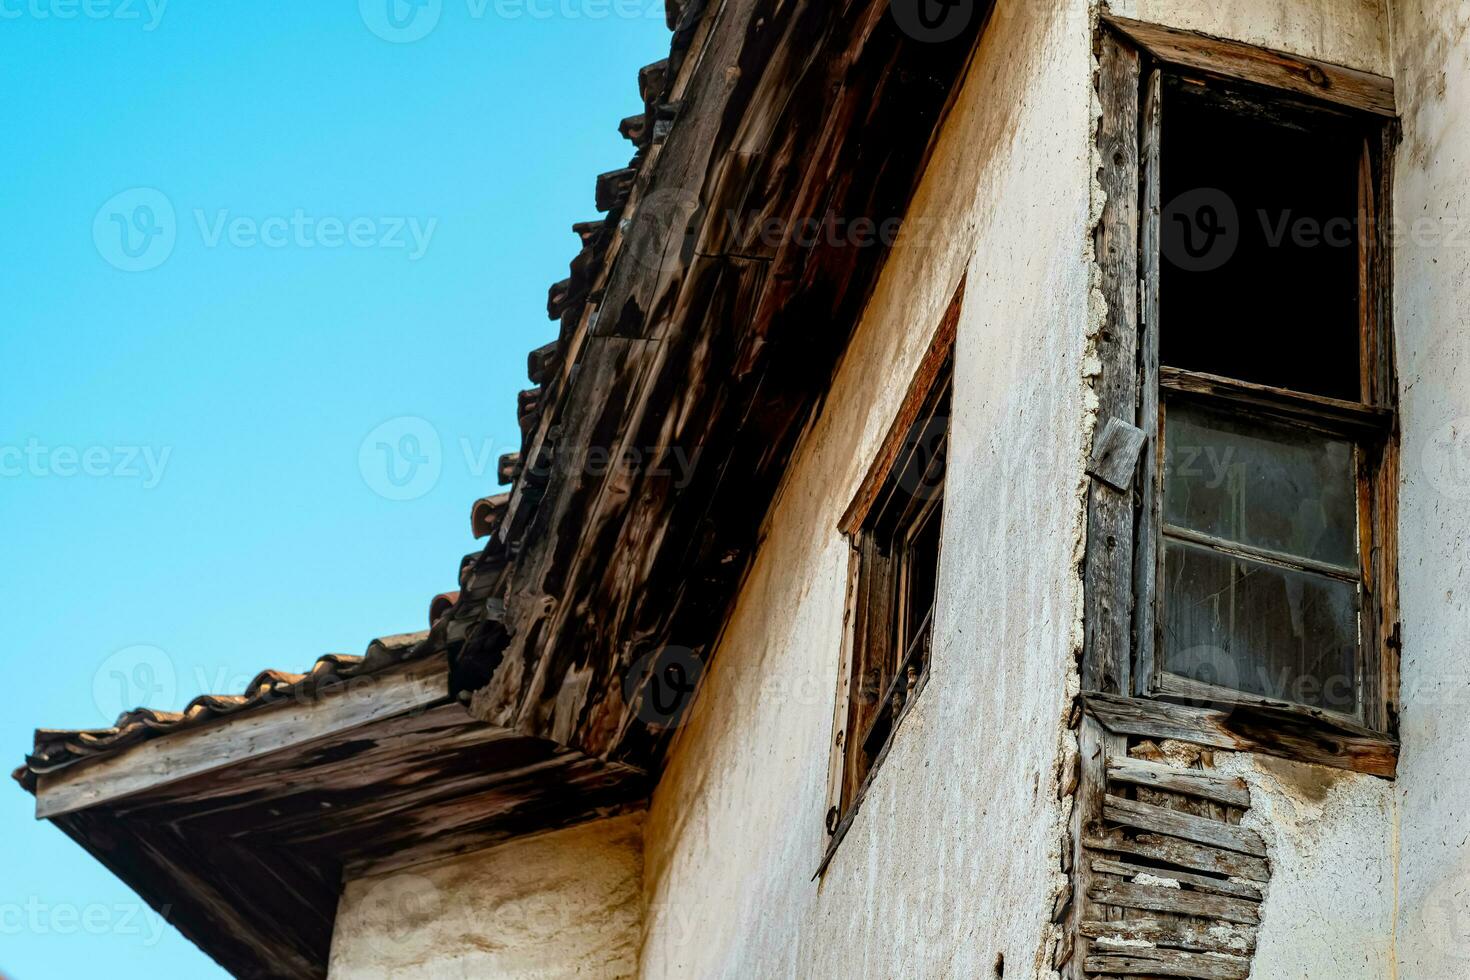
[
  {"x": 1259, "y": 241},
  {"x": 898, "y": 548}
]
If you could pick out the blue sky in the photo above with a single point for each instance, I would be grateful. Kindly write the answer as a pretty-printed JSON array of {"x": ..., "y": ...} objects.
[{"x": 339, "y": 236}]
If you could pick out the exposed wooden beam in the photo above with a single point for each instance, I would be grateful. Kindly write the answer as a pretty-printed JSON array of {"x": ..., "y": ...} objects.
[{"x": 236, "y": 739}]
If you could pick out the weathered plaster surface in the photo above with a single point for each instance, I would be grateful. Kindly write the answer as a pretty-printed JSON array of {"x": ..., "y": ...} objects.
[
  {"x": 1328, "y": 911},
  {"x": 564, "y": 904},
  {"x": 955, "y": 856},
  {"x": 1344, "y": 32},
  {"x": 1432, "y": 307}
]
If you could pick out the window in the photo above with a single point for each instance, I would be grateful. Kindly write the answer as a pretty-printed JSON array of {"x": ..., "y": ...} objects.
[
  {"x": 1256, "y": 364},
  {"x": 894, "y": 527}
]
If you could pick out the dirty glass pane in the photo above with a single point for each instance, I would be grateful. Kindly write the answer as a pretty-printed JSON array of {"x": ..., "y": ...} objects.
[
  {"x": 1260, "y": 484},
  {"x": 1260, "y": 628}
]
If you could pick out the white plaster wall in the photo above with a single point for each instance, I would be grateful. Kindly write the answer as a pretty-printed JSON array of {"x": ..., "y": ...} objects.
[
  {"x": 1344, "y": 32},
  {"x": 559, "y": 905},
  {"x": 955, "y": 855},
  {"x": 1432, "y": 307}
]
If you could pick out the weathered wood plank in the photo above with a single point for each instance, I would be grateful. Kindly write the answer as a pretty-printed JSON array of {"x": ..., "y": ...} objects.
[
  {"x": 1218, "y": 886},
  {"x": 1155, "y": 898},
  {"x": 1230, "y": 790},
  {"x": 1108, "y": 564},
  {"x": 1201, "y": 830},
  {"x": 1095, "y": 746},
  {"x": 1250, "y": 728},
  {"x": 1150, "y": 525},
  {"x": 1184, "y": 854},
  {"x": 235, "y": 739},
  {"x": 1178, "y": 932},
  {"x": 1171, "y": 963},
  {"x": 1247, "y": 63}
]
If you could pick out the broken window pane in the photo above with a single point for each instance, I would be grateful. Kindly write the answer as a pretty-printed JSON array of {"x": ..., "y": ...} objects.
[
  {"x": 1276, "y": 487},
  {"x": 1260, "y": 628}
]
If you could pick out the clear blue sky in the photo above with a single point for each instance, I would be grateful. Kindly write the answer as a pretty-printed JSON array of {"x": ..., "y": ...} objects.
[{"x": 186, "y": 496}]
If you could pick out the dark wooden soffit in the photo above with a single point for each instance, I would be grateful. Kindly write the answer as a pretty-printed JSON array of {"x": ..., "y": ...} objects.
[
  {"x": 247, "y": 858},
  {"x": 745, "y": 259}
]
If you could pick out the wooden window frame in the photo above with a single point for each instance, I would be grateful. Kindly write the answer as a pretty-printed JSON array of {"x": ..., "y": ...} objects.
[
  {"x": 870, "y": 572},
  {"x": 1123, "y": 564}
]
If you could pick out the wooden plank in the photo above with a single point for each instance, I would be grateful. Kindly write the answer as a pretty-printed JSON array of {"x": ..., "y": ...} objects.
[
  {"x": 236, "y": 738},
  {"x": 1184, "y": 854},
  {"x": 1147, "y": 551},
  {"x": 1231, "y": 790},
  {"x": 1155, "y": 898},
  {"x": 1330, "y": 414},
  {"x": 1200, "y": 830},
  {"x": 1204, "y": 883},
  {"x": 1108, "y": 563},
  {"x": 1171, "y": 963},
  {"x": 1287, "y": 733},
  {"x": 1114, "y": 458},
  {"x": 1275, "y": 69},
  {"x": 1094, "y": 747},
  {"x": 1178, "y": 932}
]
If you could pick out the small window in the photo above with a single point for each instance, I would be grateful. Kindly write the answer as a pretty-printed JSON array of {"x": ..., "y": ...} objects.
[{"x": 895, "y": 530}]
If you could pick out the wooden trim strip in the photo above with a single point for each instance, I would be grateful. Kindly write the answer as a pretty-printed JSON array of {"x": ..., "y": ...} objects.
[
  {"x": 913, "y": 402},
  {"x": 1230, "y": 791},
  {"x": 1171, "y": 850},
  {"x": 1142, "y": 961},
  {"x": 1195, "y": 937},
  {"x": 1186, "y": 826},
  {"x": 1276, "y": 69},
  {"x": 1283, "y": 731},
  {"x": 1334, "y": 414}
]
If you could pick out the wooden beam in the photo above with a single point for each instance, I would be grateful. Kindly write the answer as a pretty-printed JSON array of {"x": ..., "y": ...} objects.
[
  {"x": 1250, "y": 728},
  {"x": 1184, "y": 854},
  {"x": 1186, "y": 826},
  {"x": 1141, "y": 961},
  {"x": 1158, "y": 898},
  {"x": 1275, "y": 69},
  {"x": 234, "y": 739}
]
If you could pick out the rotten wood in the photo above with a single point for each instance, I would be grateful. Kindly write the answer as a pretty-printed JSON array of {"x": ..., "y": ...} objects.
[
  {"x": 1170, "y": 963},
  {"x": 1321, "y": 80},
  {"x": 1108, "y": 563},
  {"x": 1328, "y": 414},
  {"x": 1184, "y": 854},
  {"x": 1147, "y": 551},
  {"x": 1157, "y": 898},
  {"x": 1278, "y": 731},
  {"x": 1204, "y": 883},
  {"x": 1230, "y": 790},
  {"x": 1176, "y": 932},
  {"x": 1199, "y": 830}
]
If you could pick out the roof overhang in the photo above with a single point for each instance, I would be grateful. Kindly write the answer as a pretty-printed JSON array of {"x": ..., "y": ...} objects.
[{"x": 240, "y": 830}]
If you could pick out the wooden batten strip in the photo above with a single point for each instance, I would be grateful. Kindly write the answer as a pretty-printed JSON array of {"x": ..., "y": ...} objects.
[
  {"x": 1170, "y": 963},
  {"x": 1204, "y": 883},
  {"x": 1191, "y": 782},
  {"x": 1175, "y": 932},
  {"x": 1183, "y": 854},
  {"x": 1157, "y": 898},
  {"x": 1322, "y": 80},
  {"x": 1187, "y": 826}
]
